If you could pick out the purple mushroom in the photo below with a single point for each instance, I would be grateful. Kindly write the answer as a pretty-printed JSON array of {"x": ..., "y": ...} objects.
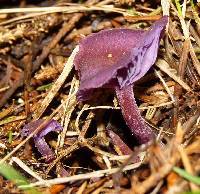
[
  {"x": 116, "y": 58},
  {"x": 39, "y": 140}
]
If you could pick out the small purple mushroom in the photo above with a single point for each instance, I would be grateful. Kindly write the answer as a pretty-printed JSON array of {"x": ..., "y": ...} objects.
[
  {"x": 116, "y": 58},
  {"x": 39, "y": 140}
]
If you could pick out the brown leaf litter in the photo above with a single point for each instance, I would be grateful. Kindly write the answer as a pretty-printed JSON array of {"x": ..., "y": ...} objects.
[{"x": 94, "y": 154}]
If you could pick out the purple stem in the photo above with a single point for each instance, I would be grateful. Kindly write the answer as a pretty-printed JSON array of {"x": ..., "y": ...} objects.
[
  {"x": 117, "y": 141},
  {"x": 132, "y": 116},
  {"x": 44, "y": 149}
]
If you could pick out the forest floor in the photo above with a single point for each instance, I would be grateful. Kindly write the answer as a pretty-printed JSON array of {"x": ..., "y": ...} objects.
[{"x": 90, "y": 147}]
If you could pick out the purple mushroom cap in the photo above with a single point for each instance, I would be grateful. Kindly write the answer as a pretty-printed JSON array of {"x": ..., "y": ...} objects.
[
  {"x": 39, "y": 139},
  {"x": 117, "y": 57}
]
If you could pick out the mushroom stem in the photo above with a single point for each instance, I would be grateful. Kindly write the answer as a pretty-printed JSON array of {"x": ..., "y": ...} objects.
[
  {"x": 44, "y": 149},
  {"x": 132, "y": 116}
]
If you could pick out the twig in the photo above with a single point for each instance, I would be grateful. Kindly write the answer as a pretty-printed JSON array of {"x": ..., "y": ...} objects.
[
  {"x": 67, "y": 69},
  {"x": 95, "y": 174},
  {"x": 67, "y": 26},
  {"x": 164, "y": 66},
  {"x": 187, "y": 166},
  {"x": 165, "y": 85},
  {"x": 68, "y": 109},
  {"x": 26, "y": 168},
  {"x": 64, "y": 9}
]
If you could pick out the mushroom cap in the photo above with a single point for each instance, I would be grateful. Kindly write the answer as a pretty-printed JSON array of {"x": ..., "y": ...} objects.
[
  {"x": 116, "y": 57},
  {"x": 31, "y": 127}
]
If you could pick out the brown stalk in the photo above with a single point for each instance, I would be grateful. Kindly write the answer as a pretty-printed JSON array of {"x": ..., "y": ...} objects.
[
  {"x": 67, "y": 26},
  {"x": 184, "y": 58}
]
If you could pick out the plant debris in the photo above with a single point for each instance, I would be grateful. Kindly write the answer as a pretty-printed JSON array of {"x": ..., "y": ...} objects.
[
  {"x": 39, "y": 140},
  {"x": 44, "y": 43}
]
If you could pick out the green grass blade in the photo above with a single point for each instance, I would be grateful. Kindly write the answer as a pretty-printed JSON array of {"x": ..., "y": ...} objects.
[
  {"x": 178, "y": 6},
  {"x": 187, "y": 176},
  {"x": 44, "y": 87},
  {"x": 11, "y": 174}
]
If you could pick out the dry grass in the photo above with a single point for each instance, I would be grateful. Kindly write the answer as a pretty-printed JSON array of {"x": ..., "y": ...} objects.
[{"x": 33, "y": 38}]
